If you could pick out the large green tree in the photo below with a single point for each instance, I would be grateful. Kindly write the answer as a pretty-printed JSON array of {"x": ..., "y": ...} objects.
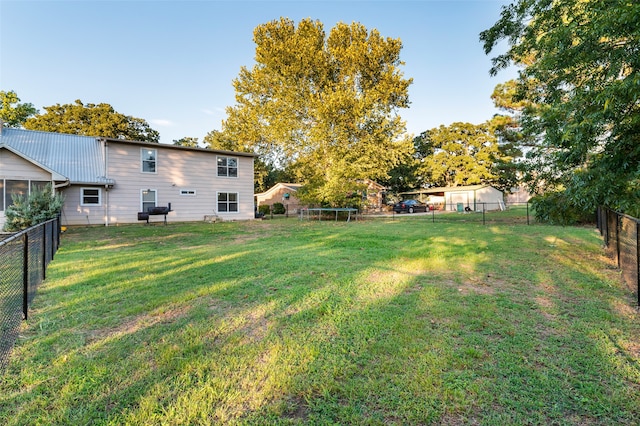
[
  {"x": 459, "y": 154},
  {"x": 512, "y": 141},
  {"x": 580, "y": 72},
  {"x": 12, "y": 112},
  {"x": 323, "y": 107},
  {"x": 92, "y": 120}
]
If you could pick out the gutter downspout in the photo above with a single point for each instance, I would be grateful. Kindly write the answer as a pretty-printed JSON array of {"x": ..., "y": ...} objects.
[
  {"x": 106, "y": 175},
  {"x": 62, "y": 185}
]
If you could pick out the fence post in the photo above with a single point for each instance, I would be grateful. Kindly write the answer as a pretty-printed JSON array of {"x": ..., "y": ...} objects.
[
  {"x": 53, "y": 236},
  {"x": 605, "y": 226},
  {"x": 618, "y": 230},
  {"x": 638, "y": 261},
  {"x": 44, "y": 251},
  {"x": 527, "y": 212},
  {"x": 58, "y": 231},
  {"x": 483, "y": 210},
  {"x": 25, "y": 275}
]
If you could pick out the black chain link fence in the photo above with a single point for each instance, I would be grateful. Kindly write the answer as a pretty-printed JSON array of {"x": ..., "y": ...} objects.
[
  {"x": 24, "y": 257},
  {"x": 620, "y": 233},
  {"x": 482, "y": 213}
]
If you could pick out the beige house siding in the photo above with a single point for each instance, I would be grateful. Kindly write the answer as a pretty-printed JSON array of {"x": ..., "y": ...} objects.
[
  {"x": 74, "y": 213},
  {"x": 176, "y": 170},
  {"x": 17, "y": 168}
]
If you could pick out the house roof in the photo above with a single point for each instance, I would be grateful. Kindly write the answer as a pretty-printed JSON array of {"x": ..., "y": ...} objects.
[
  {"x": 448, "y": 189},
  {"x": 182, "y": 148},
  {"x": 77, "y": 159},
  {"x": 290, "y": 186}
]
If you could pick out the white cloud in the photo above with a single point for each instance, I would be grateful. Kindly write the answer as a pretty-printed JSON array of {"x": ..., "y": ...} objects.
[{"x": 162, "y": 123}]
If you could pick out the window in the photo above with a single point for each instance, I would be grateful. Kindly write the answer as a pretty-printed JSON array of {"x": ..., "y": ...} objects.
[
  {"x": 39, "y": 184},
  {"x": 227, "y": 202},
  {"x": 16, "y": 187},
  {"x": 149, "y": 198},
  {"x": 90, "y": 196},
  {"x": 9, "y": 188},
  {"x": 149, "y": 159},
  {"x": 228, "y": 166},
  {"x": 188, "y": 192}
]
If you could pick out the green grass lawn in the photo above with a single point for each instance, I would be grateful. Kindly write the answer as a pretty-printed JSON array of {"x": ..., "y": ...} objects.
[{"x": 388, "y": 321}]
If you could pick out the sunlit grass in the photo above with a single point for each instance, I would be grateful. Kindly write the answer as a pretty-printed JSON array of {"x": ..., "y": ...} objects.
[{"x": 388, "y": 321}]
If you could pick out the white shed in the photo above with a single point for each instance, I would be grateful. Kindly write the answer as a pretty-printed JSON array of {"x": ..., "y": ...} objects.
[{"x": 461, "y": 198}]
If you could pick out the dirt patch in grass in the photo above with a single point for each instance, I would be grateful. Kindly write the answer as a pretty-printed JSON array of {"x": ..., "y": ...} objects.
[{"x": 256, "y": 326}]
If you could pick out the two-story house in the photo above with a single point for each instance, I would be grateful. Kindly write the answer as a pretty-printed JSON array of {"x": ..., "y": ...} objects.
[{"x": 108, "y": 181}]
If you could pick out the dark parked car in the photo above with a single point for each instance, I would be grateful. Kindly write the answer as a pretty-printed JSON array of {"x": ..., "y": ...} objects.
[{"x": 409, "y": 206}]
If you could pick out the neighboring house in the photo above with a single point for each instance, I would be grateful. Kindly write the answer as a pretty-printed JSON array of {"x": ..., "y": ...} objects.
[
  {"x": 108, "y": 181},
  {"x": 518, "y": 195},
  {"x": 375, "y": 196},
  {"x": 473, "y": 197},
  {"x": 284, "y": 193}
]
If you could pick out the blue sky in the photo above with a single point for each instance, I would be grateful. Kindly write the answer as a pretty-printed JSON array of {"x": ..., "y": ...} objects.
[{"x": 172, "y": 62}]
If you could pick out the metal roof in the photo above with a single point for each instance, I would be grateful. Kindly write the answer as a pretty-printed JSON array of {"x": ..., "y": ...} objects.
[
  {"x": 447, "y": 189},
  {"x": 79, "y": 159}
]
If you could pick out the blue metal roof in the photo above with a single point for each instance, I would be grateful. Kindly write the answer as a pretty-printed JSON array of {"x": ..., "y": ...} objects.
[{"x": 79, "y": 159}]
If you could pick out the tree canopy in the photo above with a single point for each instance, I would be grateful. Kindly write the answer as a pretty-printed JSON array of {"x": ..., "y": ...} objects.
[
  {"x": 580, "y": 76},
  {"x": 322, "y": 107},
  {"x": 92, "y": 120},
  {"x": 12, "y": 112},
  {"x": 458, "y": 154},
  {"x": 186, "y": 141}
]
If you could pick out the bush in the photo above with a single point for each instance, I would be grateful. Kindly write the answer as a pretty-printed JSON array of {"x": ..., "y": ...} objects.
[
  {"x": 41, "y": 205},
  {"x": 264, "y": 209},
  {"x": 278, "y": 208},
  {"x": 557, "y": 209}
]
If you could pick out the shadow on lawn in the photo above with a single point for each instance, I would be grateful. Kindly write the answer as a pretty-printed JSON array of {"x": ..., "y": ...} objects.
[{"x": 212, "y": 326}]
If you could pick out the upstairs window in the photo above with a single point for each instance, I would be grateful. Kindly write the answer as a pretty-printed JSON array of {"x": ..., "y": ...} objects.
[
  {"x": 148, "y": 158},
  {"x": 227, "y": 166}
]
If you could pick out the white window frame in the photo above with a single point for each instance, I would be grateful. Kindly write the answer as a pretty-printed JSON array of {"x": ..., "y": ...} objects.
[
  {"x": 142, "y": 201},
  {"x": 237, "y": 202},
  {"x": 143, "y": 160},
  {"x": 227, "y": 158},
  {"x": 82, "y": 197},
  {"x": 188, "y": 192}
]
